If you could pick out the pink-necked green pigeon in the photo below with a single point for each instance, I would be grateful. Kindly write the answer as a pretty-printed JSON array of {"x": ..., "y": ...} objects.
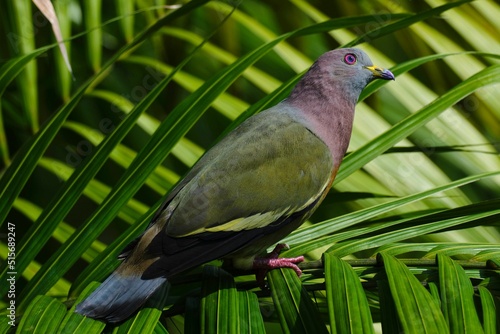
[{"x": 254, "y": 187}]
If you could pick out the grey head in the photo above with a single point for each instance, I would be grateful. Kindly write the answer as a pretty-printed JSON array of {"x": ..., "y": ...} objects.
[{"x": 341, "y": 74}]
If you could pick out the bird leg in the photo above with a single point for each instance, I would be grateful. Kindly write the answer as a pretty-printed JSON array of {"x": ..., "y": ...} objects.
[{"x": 271, "y": 261}]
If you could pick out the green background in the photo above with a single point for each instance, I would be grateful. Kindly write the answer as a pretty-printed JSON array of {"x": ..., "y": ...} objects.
[{"x": 162, "y": 82}]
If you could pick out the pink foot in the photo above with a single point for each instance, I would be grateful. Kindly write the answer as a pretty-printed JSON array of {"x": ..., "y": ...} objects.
[{"x": 271, "y": 261}]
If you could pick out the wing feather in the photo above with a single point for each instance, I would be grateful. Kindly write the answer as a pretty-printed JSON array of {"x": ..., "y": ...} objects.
[{"x": 263, "y": 170}]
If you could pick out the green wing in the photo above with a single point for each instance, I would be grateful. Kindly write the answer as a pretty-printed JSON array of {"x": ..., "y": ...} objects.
[{"x": 269, "y": 167}]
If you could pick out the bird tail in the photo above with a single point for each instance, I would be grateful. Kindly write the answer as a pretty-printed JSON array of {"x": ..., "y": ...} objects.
[{"x": 118, "y": 297}]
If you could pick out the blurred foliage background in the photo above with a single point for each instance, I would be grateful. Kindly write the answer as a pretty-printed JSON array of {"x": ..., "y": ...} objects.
[{"x": 193, "y": 70}]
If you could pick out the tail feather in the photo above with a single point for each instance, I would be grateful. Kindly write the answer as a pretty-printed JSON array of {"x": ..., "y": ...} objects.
[{"x": 118, "y": 297}]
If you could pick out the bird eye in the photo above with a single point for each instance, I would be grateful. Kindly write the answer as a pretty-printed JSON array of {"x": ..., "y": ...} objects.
[{"x": 350, "y": 59}]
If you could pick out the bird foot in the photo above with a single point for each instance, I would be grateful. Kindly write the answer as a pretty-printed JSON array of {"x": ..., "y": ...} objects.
[{"x": 271, "y": 261}]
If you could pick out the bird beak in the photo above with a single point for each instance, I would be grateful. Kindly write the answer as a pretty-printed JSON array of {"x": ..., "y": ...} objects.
[{"x": 380, "y": 72}]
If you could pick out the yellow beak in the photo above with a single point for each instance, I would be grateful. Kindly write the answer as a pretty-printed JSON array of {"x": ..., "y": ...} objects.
[{"x": 380, "y": 72}]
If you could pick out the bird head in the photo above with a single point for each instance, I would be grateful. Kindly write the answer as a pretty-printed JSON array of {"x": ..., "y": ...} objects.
[
  {"x": 347, "y": 70},
  {"x": 353, "y": 65}
]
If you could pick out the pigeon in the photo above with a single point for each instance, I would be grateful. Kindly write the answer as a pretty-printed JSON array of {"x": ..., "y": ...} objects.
[{"x": 249, "y": 191}]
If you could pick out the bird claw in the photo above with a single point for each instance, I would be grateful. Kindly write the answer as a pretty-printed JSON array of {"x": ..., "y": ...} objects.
[{"x": 271, "y": 261}]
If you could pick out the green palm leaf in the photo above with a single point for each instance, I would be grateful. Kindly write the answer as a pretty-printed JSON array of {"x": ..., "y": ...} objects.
[{"x": 85, "y": 163}]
